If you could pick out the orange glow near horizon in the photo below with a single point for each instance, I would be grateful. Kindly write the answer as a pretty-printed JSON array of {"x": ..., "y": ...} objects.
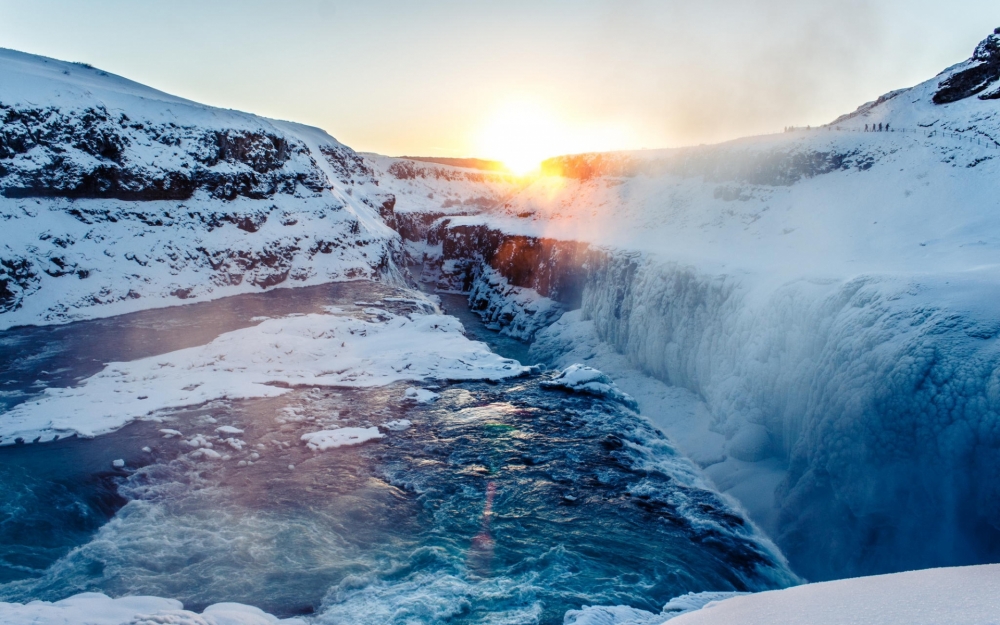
[{"x": 522, "y": 133}]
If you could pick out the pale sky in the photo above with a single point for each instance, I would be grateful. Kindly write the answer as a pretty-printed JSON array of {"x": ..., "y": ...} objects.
[{"x": 450, "y": 78}]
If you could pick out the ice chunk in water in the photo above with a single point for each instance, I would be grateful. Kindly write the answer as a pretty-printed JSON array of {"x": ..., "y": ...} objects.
[
  {"x": 421, "y": 395},
  {"x": 330, "y": 439},
  {"x": 583, "y": 379}
]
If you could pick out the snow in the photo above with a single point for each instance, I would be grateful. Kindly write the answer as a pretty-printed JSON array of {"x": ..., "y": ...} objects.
[
  {"x": 331, "y": 439},
  {"x": 583, "y": 379},
  {"x": 420, "y": 395},
  {"x": 422, "y": 187},
  {"x": 93, "y": 608},
  {"x": 624, "y": 615},
  {"x": 261, "y": 361},
  {"x": 825, "y": 299},
  {"x": 956, "y": 596},
  {"x": 66, "y": 256},
  {"x": 397, "y": 425}
]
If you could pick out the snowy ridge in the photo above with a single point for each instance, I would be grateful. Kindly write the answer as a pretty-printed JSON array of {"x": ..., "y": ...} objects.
[{"x": 116, "y": 197}]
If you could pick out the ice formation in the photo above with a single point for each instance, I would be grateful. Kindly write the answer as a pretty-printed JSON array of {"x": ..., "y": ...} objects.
[
  {"x": 331, "y": 439},
  {"x": 583, "y": 379},
  {"x": 420, "y": 395},
  {"x": 261, "y": 361}
]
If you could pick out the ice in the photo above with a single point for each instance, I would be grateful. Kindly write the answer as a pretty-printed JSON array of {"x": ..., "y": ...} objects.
[
  {"x": 93, "y": 608},
  {"x": 398, "y": 425},
  {"x": 118, "y": 464},
  {"x": 228, "y": 429},
  {"x": 331, "y": 439},
  {"x": 420, "y": 395},
  {"x": 262, "y": 361},
  {"x": 206, "y": 453},
  {"x": 583, "y": 379},
  {"x": 611, "y": 615}
]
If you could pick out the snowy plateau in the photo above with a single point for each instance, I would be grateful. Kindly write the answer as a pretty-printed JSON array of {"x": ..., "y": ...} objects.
[{"x": 797, "y": 332}]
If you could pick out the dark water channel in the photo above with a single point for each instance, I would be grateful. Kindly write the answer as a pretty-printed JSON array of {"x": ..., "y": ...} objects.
[{"x": 501, "y": 503}]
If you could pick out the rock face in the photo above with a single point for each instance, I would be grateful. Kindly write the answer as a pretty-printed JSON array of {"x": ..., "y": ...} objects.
[
  {"x": 94, "y": 153},
  {"x": 979, "y": 75},
  {"x": 114, "y": 197}
]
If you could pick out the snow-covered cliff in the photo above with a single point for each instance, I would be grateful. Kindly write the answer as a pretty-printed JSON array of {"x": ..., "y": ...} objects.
[
  {"x": 116, "y": 197},
  {"x": 828, "y": 294}
]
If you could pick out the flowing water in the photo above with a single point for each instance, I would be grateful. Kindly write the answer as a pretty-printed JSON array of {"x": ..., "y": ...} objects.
[{"x": 500, "y": 503}]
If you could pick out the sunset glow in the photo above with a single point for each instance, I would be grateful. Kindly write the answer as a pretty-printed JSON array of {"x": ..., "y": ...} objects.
[{"x": 522, "y": 133}]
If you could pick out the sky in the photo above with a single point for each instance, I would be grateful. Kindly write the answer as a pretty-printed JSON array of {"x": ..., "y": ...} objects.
[{"x": 515, "y": 79}]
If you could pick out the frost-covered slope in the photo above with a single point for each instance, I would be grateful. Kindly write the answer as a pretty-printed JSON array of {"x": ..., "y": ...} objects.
[
  {"x": 115, "y": 197},
  {"x": 830, "y": 294}
]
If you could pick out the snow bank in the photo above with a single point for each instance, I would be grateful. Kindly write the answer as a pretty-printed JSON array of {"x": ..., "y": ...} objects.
[
  {"x": 98, "y": 609},
  {"x": 262, "y": 361},
  {"x": 956, "y": 596},
  {"x": 583, "y": 379},
  {"x": 624, "y": 615},
  {"x": 340, "y": 437}
]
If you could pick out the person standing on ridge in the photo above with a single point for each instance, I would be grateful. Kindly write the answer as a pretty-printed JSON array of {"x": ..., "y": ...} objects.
[{"x": 866, "y": 127}]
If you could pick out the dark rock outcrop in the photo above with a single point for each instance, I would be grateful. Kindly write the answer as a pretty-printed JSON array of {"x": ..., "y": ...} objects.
[
  {"x": 96, "y": 153},
  {"x": 977, "y": 79},
  {"x": 555, "y": 269}
]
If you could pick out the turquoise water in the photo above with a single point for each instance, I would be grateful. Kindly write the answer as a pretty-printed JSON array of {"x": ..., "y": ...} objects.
[{"x": 502, "y": 503}]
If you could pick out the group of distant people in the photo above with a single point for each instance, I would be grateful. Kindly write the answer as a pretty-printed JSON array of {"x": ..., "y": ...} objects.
[{"x": 868, "y": 128}]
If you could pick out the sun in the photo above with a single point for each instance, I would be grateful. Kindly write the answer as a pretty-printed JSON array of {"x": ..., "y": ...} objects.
[
  {"x": 521, "y": 135},
  {"x": 523, "y": 132}
]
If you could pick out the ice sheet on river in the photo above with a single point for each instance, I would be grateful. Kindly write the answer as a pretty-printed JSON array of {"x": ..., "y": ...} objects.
[{"x": 262, "y": 361}]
